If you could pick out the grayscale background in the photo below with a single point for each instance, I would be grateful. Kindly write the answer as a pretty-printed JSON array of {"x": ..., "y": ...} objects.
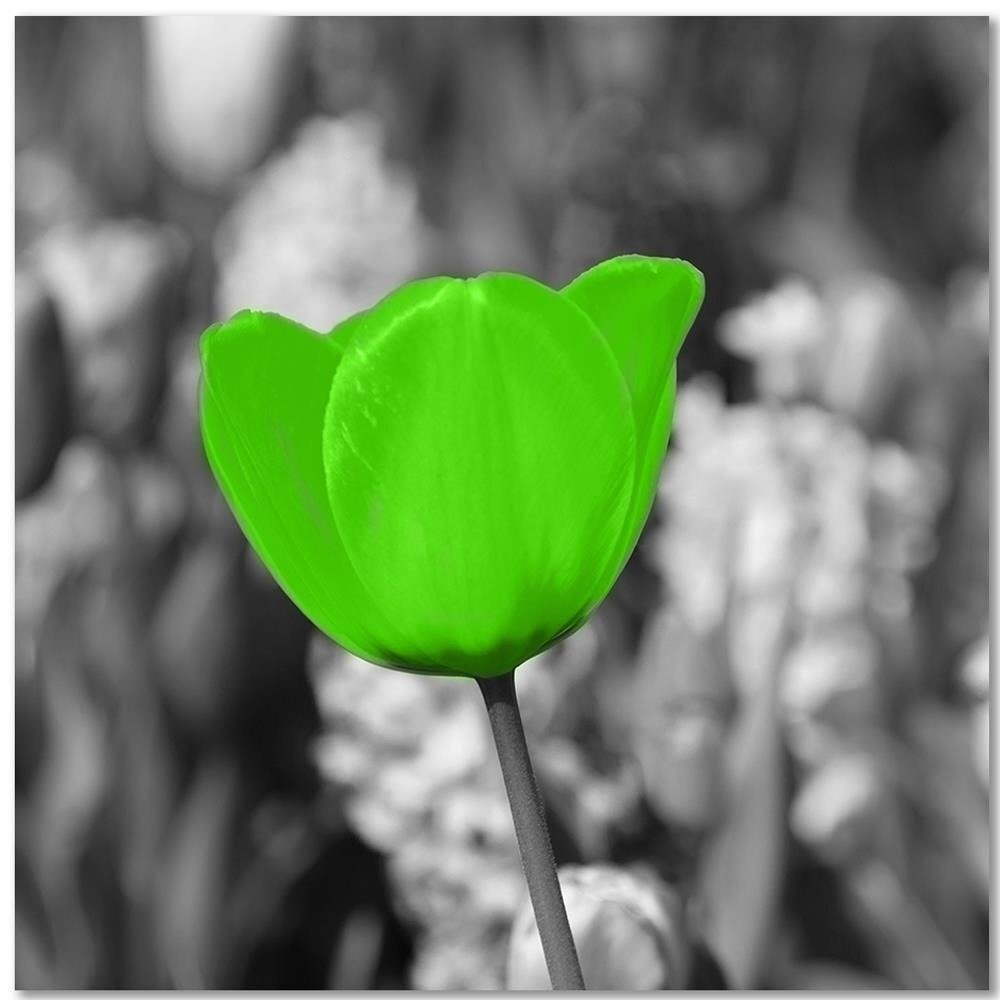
[{"x": 766, "y": 757}]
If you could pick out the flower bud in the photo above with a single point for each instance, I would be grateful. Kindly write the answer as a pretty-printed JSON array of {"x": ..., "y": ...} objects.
[
  {"x": 629, "y": 930},
  {"x": 216, "y": 88},
  {"x": 113, "y": 285}
]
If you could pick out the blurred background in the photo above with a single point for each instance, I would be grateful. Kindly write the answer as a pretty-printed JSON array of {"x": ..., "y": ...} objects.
[{"x": 765, "y": 759}]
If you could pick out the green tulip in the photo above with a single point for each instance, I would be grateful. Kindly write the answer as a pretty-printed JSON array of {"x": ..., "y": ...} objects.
[{"x": 453, "y": 480}]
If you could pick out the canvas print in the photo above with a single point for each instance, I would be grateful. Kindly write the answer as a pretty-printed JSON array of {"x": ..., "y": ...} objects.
[{"x": 501, "y": 503}]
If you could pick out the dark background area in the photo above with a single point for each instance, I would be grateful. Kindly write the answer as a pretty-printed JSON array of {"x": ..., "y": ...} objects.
[{"x": 768, "y": 752}]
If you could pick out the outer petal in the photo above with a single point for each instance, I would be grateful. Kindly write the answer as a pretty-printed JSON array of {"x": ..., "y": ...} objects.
[
  {"x": 644, "y": 306},
  {"x": 266, "y": 381},
  {"x": 479, "y": 449}
]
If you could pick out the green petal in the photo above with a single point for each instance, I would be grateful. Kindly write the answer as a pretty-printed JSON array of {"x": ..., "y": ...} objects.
[
  {"x": 264, "y": 392},
  {"x": 644, "y": 306},
  {"x": 479, "y": 449}
]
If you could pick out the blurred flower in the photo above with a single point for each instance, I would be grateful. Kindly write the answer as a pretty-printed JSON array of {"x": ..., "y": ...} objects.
[
  {"x": 216, "y": 90},
  {"x": 682, "y": 708},
  {"x": 878, "y": 344},
  {"x": 755, "y": 501},
  {"x": 114, "y": 285},
  {"x": 830, "y": 689},
  {"x": 411, "y": 757},
  {"x": 326, "y": 446},
  {"x": 765, "y": 543},
  {"x": 975, "y": 669},
  {"x": 441, "y": 879},
  {"x": 78, "y": 518},
  {"x": 729, "y": 545},
  {"x": 905, "y": 496},
  {"x": 697, "y": 493},
  {"x": 781, "y": 331},
  {"x": 460, "y": 957},
  {"x": 324, "y": 229},
  {"x": 852, "y": 344},
  {"x": 840, "y": 806},
  {"x": 41, "y": 394},
  {"x": 394, "y": 741},
  {"x": 629, "y": 929}
]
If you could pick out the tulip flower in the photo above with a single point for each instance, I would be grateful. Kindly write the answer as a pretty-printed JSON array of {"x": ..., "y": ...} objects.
[
  {"x": 208, "y": 75},
  {"x": 452, "y": 481}
]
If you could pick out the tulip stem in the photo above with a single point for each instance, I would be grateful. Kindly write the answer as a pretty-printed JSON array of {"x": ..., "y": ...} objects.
[{"x": 532, "y": 832}]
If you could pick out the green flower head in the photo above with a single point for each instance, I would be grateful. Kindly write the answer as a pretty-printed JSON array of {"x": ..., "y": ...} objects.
[{"x": 453, "y": 480}]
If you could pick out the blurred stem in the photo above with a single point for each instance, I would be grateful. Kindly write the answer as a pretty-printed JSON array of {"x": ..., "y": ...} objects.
[{"x": 532, "y": 833}]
